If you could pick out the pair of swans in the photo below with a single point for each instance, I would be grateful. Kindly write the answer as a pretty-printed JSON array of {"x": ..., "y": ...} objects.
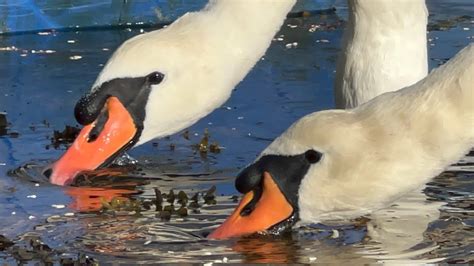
[{"x": 330, "y": 164}]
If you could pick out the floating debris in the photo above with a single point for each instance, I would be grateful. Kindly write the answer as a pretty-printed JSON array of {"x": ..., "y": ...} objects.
[
  {"x": 65, "y": 137},
  {"x": 8, "y": 48},
  {"x": 158, "y": 199},
  {"x": 203, "y": 144},
  {"x": 3, "y": 123},
  {"x": 446, "y": 24},
  {"x": 210, "y": 197},
  {"x": 170, "y": 197},
  {"x": 204, "y": 147},
  {"x": 75, "y": 57},
  {"x": 186, "y": 134},
  {"x": 31, "y": 247},
  {"x": 182, "y": 198},
  {"x": 5, "y": 243},
  {"x": 314, "y": 28},
  {"x": 182, "y": 211}
]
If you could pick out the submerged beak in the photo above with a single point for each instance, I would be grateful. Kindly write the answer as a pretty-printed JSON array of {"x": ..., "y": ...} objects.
[
  {"x": 97, "y": 144},
  {"x": 271, "y": 209}
]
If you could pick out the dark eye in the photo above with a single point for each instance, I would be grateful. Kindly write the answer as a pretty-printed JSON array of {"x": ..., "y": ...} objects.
[
  {"x": 312, "y": 156},
  {"x": 155, "y": 78}
]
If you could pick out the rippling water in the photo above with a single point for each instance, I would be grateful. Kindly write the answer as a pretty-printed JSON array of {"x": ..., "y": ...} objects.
[{"x": 42, "y": 75}]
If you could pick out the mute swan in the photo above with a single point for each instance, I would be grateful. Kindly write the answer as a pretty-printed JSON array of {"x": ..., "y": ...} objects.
[
  {"x": 347, "y": 163},
  {"x": 161, "y": 82}
]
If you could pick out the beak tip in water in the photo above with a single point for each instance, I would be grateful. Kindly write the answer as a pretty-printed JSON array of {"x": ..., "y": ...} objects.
[
  {"x": 117, "y": 133},
  {"x": 271, "y": 208}
]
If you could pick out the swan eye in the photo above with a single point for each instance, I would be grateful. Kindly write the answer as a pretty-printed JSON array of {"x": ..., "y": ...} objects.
[
  {"x": 312, "y": 156},
  {"x": 155, "y": 78}
]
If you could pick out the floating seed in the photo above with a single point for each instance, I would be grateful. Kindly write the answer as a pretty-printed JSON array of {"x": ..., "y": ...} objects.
[
  {"x": 186, "y": 134},
  {"x": 158, "y": 199},
  {"x": 182, "y": 198},
  {"x": 169, "y": 208},
  {"x": 194, "y": 205},
  {"x": 235, "y": 198},
  {"x": 5, "y": 243},
  {"x": 214, "y": 148},
  {"x": 171, "y": 197},
  {"x": 165, "y": 215},
  {"x": 182, "y": 211}
]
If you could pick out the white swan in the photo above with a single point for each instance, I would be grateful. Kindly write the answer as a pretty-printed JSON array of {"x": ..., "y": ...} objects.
[
  {"x": 384, "y": 49},
  {"x": 347, "y": 163},
  {"x": 164, "y": 81}
]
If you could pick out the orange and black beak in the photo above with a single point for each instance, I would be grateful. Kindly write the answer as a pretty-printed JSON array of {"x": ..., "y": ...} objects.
[
  {"x": 97, "y": 144},
  {"x": 113, "y": 115},
  {"x": 258, "y": 211},
  {"x": 270, "y": 202}
]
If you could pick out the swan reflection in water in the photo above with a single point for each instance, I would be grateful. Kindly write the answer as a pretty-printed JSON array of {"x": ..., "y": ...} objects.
[{"x": 394, "y": 234}]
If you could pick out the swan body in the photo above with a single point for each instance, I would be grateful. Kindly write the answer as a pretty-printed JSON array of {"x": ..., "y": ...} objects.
[
  {"x": 384, "y": 49},
  {"x": 393, "y": 144},
  {"x": 342, "y": 164}
]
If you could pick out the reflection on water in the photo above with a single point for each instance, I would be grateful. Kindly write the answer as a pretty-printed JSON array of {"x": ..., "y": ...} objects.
[
  {"x": 416, "y": 228},
  {"x": 425, "y": 226}
]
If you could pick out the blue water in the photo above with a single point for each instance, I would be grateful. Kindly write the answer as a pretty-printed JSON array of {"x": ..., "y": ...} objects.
[{"x": 42, "y": 75}]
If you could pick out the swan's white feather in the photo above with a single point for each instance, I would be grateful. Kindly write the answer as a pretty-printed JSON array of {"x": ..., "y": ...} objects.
[
  {"x": 384, "y": 49},
  {"x": 393, "y": 144}
]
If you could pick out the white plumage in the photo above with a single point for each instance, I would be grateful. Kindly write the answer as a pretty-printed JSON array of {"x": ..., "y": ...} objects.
[{"x": 391, "y": 145}]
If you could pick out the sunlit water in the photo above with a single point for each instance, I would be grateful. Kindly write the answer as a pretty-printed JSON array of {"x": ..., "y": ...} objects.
[{"x": 43, "y": 75}]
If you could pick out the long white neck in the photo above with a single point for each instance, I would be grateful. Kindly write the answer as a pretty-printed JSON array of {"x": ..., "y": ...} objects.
[
  {"x": 206, "y": 54},
  {"x": 431, "y": 122},
  {"x": 384, "y": 49},
  {"x": 241, "y": 31}
]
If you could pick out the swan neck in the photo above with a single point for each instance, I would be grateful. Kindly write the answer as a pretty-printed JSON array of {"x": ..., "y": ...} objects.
[{"x": 384, "y": 49}]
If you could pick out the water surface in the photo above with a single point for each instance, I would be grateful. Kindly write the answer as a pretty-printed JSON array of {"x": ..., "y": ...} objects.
[{"x": 43, "y": 75}]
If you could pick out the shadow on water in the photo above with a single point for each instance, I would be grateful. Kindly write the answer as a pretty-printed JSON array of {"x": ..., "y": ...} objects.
[{"x": 137, "y": 213}]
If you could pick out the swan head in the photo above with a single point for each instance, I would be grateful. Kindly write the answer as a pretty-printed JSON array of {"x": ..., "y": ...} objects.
[
  {"x": 154, "y": 85},
  {"x": 328, "y": 165}
]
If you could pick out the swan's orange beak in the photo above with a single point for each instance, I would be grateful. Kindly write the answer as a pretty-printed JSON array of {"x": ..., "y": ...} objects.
[
  {"x": 271, "y": 209},
  {"x": 87, "y": 153}
]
